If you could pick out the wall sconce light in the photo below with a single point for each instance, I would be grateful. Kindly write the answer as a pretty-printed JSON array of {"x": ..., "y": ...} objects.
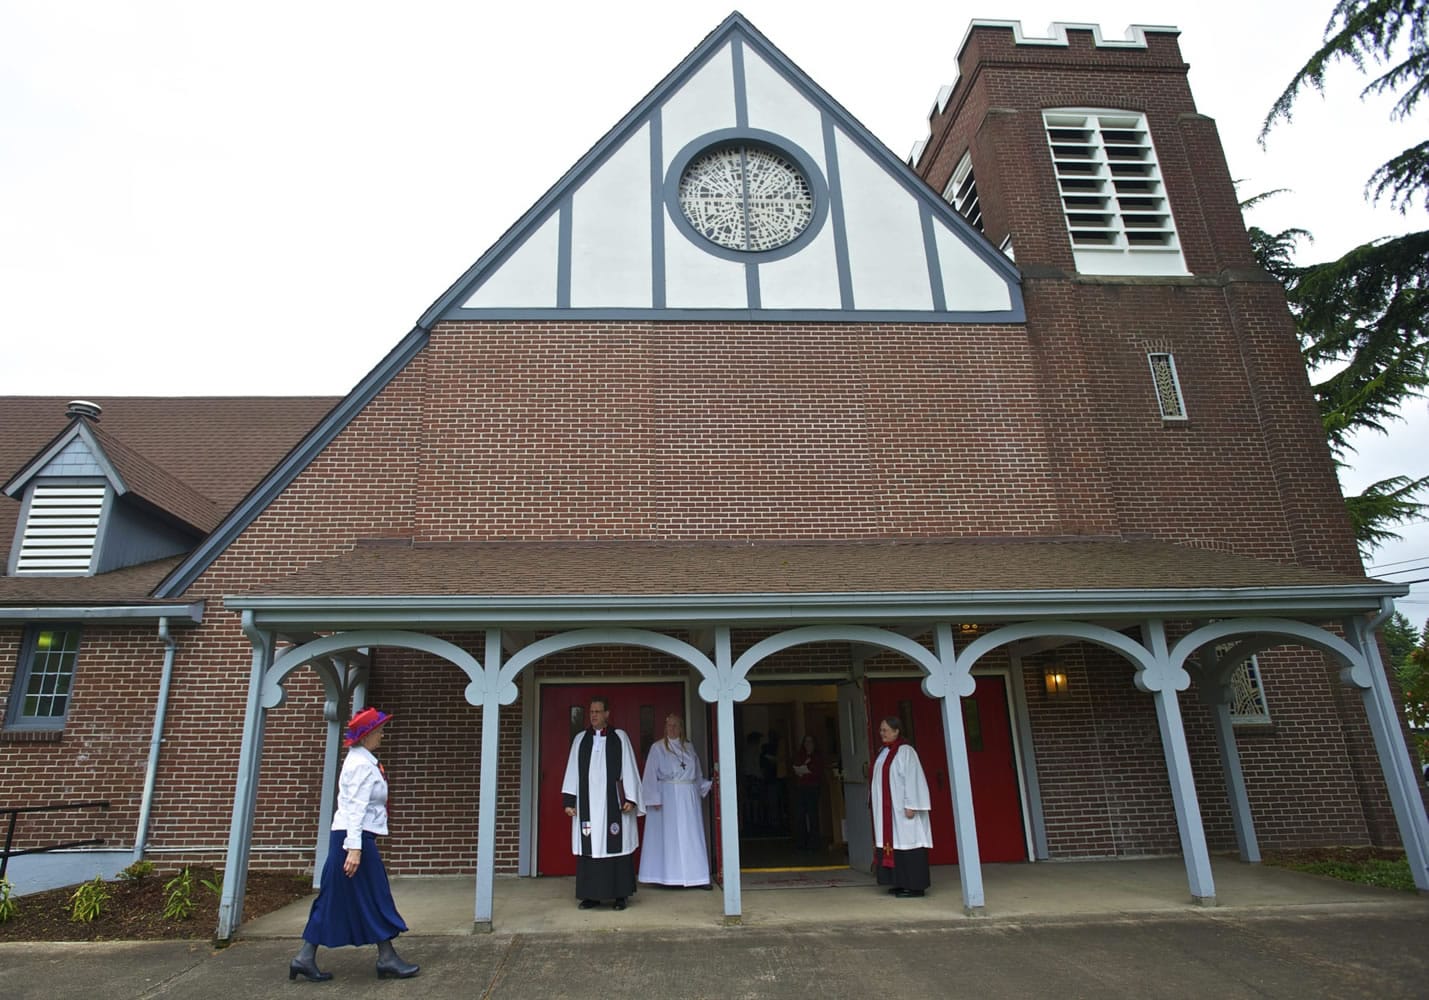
[
  {"x": 968, "y": 630},
  {"x": 1055, "y": 678}
]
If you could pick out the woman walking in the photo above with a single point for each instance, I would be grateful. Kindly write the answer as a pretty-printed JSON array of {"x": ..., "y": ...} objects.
[{"x": 354, "y": 904}]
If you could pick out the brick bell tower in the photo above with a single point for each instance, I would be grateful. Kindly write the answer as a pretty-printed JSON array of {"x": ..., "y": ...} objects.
[{"x": 1171, "y": 382}]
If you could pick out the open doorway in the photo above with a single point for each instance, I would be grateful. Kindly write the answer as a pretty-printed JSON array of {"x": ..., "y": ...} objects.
[{"x": 791, "y": 804}]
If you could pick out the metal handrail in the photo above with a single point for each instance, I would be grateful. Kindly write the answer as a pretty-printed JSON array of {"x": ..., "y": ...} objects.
[{"x": 14, "y": 814}]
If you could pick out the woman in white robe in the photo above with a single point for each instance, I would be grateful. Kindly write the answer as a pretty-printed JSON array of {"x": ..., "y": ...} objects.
[
  {"x": 902, "y": 807},
  {"x": 674, "y": 850}
]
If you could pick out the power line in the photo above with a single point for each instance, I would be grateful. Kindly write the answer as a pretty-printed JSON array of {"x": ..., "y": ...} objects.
[
  {"x": 1397, "y": 562},
  {"x": 1407, "y": 569}
]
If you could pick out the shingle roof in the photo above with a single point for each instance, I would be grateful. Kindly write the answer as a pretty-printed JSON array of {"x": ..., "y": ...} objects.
[
  {"x": 157, "y": 486},
  {"x": 648, "y": 568},
  {"x": 184, "y": 450},
  {"x": 130, "y": 585}
]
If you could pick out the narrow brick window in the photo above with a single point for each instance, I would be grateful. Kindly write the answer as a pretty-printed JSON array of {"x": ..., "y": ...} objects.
[
  {"x": 1247, "y": 695},
  {"x": 1168, "y": 386},
  {"x": 961, "y": 192},
  {"x": 39, "y": 698},
  {"x": 1113, "y": 199}
]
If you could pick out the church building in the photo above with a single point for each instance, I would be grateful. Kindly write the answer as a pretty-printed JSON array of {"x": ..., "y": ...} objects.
[{"x": 750, "y": 420}]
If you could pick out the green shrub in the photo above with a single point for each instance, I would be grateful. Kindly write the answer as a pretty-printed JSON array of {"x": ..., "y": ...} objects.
[
  {"x": 215, "y": 884},
  {"x": 137, "y": 871},
  {"x": 9, "y": 905},
  {"x": 179, "y": 904},
  {"x": 88, "y": 901}
]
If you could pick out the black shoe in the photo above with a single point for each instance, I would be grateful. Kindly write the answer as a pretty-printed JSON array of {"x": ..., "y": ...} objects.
[
  {"x": 707, "y": 887},
  {"x": 620, "y": 903},
  {"x": 396, "y": 968},
  {"x": 309, "y": 968},
  {"x": 389, "y": 963},
  {"x": 589, "y": 904},
  {"x": 895, "y": 891},
  {"x": 908, "y": 894}
]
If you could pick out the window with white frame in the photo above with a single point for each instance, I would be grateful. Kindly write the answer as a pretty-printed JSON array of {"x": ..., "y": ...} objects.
[
  {"x": 1247, "y": 695},
  {"x": 1168, "y": 386},
  {"x": 39, "y": 698},
  {"x": 1113, "y": 198},
  {"x": 961, "y": 192}
]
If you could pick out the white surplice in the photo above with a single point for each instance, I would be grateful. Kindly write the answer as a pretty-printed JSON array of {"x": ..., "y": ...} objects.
[
  {"x": 674, "y": 852},
  {"x": 629, "y": 792},
  {"x": 908, "y": 789}
]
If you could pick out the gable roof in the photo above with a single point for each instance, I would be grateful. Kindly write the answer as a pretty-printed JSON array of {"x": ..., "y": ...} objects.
[
  {"x": 610, "y": 241},
  {"x": 193, "y": 456},
  {"x": 128, "y": 472}
]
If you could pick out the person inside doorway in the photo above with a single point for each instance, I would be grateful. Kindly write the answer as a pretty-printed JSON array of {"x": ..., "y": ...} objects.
[
  {"x": 808, "y": 786},
  {"x": 750, "y": 776},
  {"x": 674, "y": 853},
  {"x": 902, "y": 806},
  {"x": 772, "y": 768},
  {"x": 602, "y": 796}
]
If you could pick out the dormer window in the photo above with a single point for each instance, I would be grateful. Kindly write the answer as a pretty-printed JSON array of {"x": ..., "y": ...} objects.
[
  {"x": 61, "y": 527},
  {"x": 1113, "y": 199}
]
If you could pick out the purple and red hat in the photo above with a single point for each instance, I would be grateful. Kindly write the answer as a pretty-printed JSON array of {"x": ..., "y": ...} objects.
[{"x": 363, "y": 723}]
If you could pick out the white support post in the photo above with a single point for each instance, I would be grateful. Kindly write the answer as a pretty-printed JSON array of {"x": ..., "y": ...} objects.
[
  {"x": 1216, "y": 696},
  {"x": 245, "y": 793},
  {"x": 486, "y": 799},
  {"x": 955, "y": 744},
  {"x": 729, "y": 777},
  {"x": 334, "y": 714},
  {"x": 1394, "y": 760},
  {"x": 1163, "y": 684}
]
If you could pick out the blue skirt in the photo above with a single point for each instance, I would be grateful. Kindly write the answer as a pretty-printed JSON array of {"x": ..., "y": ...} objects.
[{"x": 357, "y": 910}]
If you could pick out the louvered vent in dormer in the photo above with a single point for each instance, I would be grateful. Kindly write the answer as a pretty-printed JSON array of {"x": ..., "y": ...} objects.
[{"x": 61, "y": 528}]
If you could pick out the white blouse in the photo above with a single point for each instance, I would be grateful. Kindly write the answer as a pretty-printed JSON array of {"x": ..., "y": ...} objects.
[{"x": 361, "y": 798}]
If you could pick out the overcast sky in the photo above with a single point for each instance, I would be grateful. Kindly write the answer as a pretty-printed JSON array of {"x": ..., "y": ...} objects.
[{"x": 262, "y": 197}]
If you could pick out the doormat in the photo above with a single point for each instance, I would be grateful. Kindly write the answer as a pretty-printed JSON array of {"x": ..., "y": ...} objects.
[{"x": 836, "y": 878}]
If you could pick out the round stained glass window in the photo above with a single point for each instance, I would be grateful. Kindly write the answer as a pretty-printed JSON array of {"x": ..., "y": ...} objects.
[{"x": 745, "y": 197}]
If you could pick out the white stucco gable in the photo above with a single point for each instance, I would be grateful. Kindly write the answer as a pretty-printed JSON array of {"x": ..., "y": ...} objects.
[{"x": 611, "y": 239}]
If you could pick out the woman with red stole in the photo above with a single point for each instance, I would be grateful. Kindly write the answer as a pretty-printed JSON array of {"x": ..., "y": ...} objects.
[{"x": 902, "y": 830}]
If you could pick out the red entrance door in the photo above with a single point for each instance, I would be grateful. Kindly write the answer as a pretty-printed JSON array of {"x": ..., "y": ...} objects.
[
  {"x": 996, "y": 798},
  {"x": 639, "y": 709}
]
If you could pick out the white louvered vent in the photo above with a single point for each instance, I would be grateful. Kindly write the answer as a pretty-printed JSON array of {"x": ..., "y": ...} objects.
[
  {"x": 961, "y": 192},
  {"x": 1115, "y": 204},
  {"x": 61, "y": 529}
]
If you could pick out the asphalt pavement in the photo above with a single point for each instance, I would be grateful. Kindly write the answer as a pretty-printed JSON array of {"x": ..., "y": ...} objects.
[{"x": 1274, "y": 934}]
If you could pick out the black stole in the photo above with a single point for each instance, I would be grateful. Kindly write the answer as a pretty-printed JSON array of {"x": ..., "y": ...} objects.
[{"x": 614, "y": 757}]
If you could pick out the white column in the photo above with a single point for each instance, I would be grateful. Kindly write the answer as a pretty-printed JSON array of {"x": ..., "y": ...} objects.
[
  {"x": 1394, "y": 761},
  {"x": 1163, "y": 683},
  {"x": 486, "y": 799},
  {"x": 729, "y": 775},
  {"x": 245, "y": 793},
  {"x": 1217, "y": 696},
  {"x": 956, "y": 685}
]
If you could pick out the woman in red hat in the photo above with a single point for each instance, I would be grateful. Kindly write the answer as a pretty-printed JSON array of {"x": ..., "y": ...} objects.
[{"x": 354, "y": 904}]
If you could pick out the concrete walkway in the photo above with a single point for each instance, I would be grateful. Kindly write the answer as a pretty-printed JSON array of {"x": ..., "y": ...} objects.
[
  {"x": 1021, "y": 892},
  {"x": 1097, "y": 930}
]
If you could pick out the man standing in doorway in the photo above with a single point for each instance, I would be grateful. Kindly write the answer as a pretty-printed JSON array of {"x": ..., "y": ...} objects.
[{"x": 601, "y": 793}]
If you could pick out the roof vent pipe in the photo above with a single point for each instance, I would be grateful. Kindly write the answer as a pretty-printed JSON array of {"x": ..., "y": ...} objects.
[{"x": 83, "y": 408}]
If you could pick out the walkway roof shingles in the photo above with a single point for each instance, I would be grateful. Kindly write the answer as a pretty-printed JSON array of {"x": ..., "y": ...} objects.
[{"x": 402, "y": 568}]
